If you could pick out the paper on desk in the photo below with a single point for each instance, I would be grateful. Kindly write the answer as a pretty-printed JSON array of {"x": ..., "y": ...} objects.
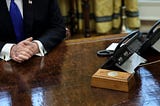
[
  {"x": 112, "y": 47},
  {"x": 131, "y": 63},
  {"x": 156, "y": 45}
]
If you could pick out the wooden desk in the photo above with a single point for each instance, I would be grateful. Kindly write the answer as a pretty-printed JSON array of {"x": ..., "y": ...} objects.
[{"x": 62, "y": 78}]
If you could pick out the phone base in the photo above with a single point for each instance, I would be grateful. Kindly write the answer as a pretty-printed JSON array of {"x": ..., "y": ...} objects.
[{"x": 114, "y": 80}]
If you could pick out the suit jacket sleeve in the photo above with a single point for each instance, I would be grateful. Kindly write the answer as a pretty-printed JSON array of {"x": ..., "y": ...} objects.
[{"x": 55, "y": 32}]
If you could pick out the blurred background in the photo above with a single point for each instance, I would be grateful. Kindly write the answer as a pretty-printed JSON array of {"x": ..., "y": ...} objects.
[{"x": 87, "y": 18}]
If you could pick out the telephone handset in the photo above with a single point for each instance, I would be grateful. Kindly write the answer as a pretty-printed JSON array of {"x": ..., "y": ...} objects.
[
  {"x": 151, "y": 37},
  {"x": 125, "y": 48}
]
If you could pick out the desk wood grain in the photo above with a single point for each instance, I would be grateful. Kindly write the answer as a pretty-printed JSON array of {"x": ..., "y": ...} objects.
[{"x": 62, "y": 78}]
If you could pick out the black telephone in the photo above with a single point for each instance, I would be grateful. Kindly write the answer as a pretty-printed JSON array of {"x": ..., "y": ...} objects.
[
  {"x": 150, "y": 38},
  {"x": 134, "y": 42},
  {"x": 125, "y": 48}
]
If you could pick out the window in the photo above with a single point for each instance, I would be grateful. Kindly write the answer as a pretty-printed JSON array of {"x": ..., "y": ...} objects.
[{"x": 149, "y": 9}]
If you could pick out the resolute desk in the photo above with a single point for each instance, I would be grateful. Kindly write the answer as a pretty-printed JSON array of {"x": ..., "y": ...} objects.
[{"x": 62, "y": 78}]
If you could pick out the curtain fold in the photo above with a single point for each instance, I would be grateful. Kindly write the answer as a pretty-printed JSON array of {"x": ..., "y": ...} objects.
[
  {"x": 105, "y": 15},
  {"x": 64, "y": 7},
  {"x": 132, "y": 14},
  {"x": 103, "y": 10},
  {"x": 116, "y": 13}
]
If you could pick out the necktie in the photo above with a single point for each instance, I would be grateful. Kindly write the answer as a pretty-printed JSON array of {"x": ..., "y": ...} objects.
[{"x": 17, "y": 21}]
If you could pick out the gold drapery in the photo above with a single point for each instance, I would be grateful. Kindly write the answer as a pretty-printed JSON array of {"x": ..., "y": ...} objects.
[{"x": 104, "y": 14}]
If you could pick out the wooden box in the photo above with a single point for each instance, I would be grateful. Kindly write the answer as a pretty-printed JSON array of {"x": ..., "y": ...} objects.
[{"x": 115, "y": 80}]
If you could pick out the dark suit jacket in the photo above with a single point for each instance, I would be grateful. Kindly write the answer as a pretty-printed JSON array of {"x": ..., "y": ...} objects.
[{"x": 42, "y": 21}]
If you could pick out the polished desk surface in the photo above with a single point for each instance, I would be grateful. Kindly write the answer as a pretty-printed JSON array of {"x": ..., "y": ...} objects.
[{"x": 62, "y": 78}]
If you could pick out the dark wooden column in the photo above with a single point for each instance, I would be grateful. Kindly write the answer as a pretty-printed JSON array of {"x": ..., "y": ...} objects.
[
  {"x": 72, "y": 16},
  {"x": 86, "y": 12}
]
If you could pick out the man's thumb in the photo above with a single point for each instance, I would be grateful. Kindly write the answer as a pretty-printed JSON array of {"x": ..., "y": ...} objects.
[{"x": 29, "y": 39}]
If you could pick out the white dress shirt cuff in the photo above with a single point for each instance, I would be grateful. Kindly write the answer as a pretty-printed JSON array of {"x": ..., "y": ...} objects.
[
  {"x": 5, "y": 52},
  {"x": 41, "y": 48}
]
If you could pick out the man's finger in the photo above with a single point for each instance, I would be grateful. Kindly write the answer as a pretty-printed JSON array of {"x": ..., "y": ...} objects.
[
  {"x": 29, "y": 39},
  {"x": 27, "y": 42},
  {"x": 21, "y": 57},
  {"x": 28, "y": 51}
]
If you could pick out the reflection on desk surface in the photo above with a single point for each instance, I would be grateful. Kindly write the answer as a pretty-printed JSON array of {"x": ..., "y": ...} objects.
[{"x": 62, "y": 78}]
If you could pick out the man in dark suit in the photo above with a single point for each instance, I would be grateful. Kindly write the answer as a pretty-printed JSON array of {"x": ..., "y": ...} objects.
[{"x": 43, "y": 29}]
